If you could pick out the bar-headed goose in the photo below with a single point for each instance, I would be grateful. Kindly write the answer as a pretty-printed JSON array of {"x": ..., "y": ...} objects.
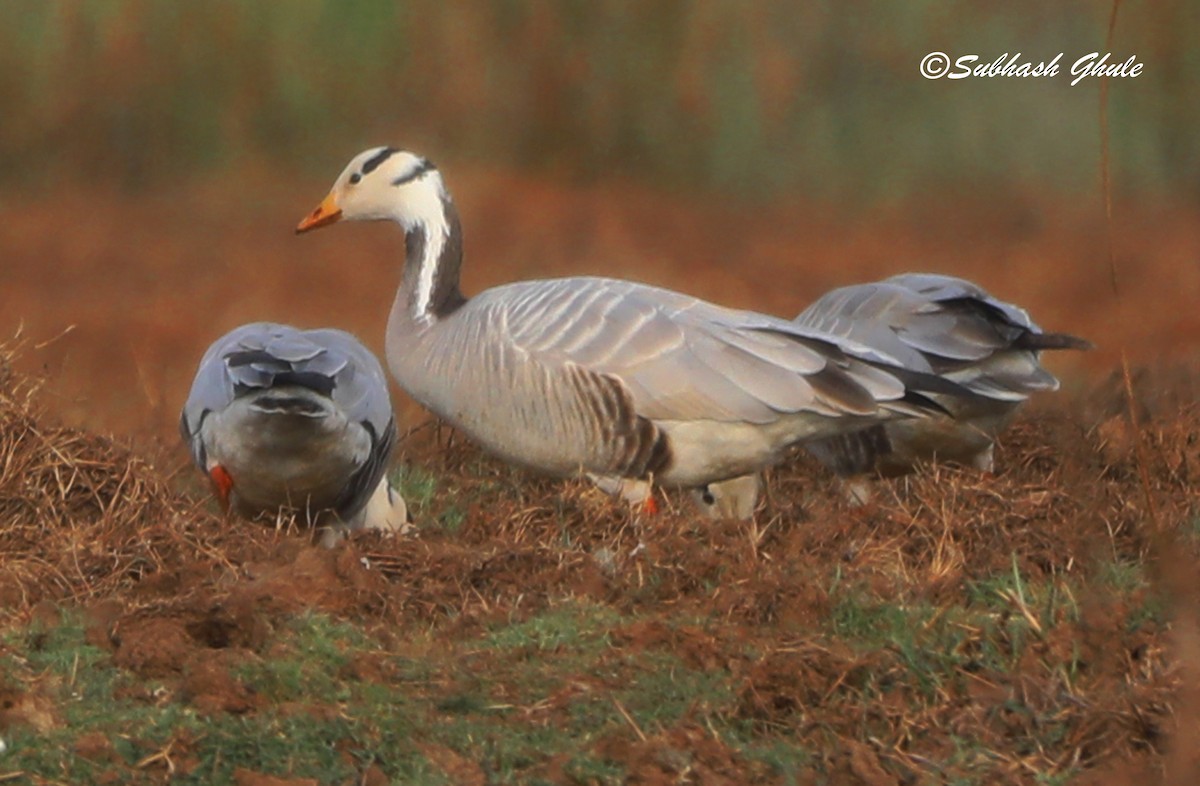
[
  {"x": 301, "y": 419},
  {"x": 940, "y": 325},
  {"x": 600, "y": 376}
]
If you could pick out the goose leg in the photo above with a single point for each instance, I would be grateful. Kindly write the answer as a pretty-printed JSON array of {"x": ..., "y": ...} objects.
[
  {"x": 985, "y": 460},
  {"x": 332, "y": 534},
  {"x": 638, "y": 493},
  {"x": 858, "y": 490}
]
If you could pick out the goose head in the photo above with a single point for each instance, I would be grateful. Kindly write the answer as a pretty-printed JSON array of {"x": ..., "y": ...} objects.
[{"x": 382, "y": 184}]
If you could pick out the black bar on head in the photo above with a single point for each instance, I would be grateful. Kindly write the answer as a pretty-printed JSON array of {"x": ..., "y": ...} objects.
[
  {"x": 372, "y": 163},
  {"x": 423, "y": 165}
]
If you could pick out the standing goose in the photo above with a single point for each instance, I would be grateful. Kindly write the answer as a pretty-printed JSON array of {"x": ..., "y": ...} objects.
[
  {"x": 940, "y": 325},
  {"x": 284, "y": 418},
  {"x": 610, "y": 378}
]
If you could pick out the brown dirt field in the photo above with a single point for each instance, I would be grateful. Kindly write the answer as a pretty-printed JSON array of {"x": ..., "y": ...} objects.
[{"x": 176, "y": 593}]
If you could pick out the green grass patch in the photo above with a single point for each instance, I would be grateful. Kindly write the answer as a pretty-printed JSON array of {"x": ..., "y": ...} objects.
[
  {"x": 576, "y": 626},
  {"x": 305, "y": 665},
  {"x": 786, "y": 759},
  {"x": 585, "y": 768},
  {"x": 316, "y": 722},
  {"x": 548, "y": 685},
  {"x": 417, "y": 485},
  {"x": 432, "y": 503},
  {"x": 662, "y": 690},
  {"x": 991, "y": 630},
  {"x": 301, "y": 739}
]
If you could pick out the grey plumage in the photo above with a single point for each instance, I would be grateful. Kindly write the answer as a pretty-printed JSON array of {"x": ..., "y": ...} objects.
[
  {"x": 622, "y": 379},
  {"x": 606, "y": 377},
  {"x": 296, "y": 419},
  {"x": 946, "y": 326},
  {"x": 932, "y": 324}
]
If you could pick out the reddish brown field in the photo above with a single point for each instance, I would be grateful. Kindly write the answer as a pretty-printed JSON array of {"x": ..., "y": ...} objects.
[
  {"x": 116, "y": 298},
  {"x": 147, "y": 282}
]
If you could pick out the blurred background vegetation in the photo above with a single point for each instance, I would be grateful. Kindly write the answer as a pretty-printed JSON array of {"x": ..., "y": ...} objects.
[{"x": 758, "y": 99}]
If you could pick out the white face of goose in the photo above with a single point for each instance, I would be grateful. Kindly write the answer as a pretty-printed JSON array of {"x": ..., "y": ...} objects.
[{"x": 385, "y": 184}]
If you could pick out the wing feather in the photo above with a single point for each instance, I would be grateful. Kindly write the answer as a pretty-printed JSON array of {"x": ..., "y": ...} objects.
[
  {"x": 683, "y": 359},
  {"x": 942, "y": 325},
  {"x": 260, "y": 355}
]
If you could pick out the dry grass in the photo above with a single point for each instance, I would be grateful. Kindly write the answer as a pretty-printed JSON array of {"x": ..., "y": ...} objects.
[
  {"x": 1017, "y": 628},
  {"x": 83, "y": 516}
]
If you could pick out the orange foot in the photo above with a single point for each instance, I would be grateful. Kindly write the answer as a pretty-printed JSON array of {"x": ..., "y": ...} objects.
[
  {"x": 222, "y": 483},
  {"x": 650, "y": 505}
]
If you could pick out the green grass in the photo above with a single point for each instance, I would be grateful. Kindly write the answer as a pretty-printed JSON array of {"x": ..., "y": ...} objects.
[
  {"x": 579, "y": 627},
  {"x": 786, "y": 760},
  {"x": 306, "y": 664},
  {"x": 552, "y": 684},
  {"x": 665, "y": 690},
  {"x": 435, "y": 505},
  {"x": 1001, "y": 621},
  {"x": 372, "y": 724},
  {"x": 417, "y": 485},
  {"x": 926, "y": 641},
  {"x": 989, "y": 631},
  {"x": 589, "y": 769},
  {"x": 437, "y": 699}
]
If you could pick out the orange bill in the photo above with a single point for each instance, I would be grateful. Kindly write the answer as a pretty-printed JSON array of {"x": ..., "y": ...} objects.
[
  {"x": 222, "y": 484},
  {"x": 326, "y": 213}
]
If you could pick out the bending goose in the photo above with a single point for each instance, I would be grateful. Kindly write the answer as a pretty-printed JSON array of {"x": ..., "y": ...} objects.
[
  {"x": 941, "y": 325},
  {"x": 611, "y": 378},
  {"x": 280, "y": 417}
]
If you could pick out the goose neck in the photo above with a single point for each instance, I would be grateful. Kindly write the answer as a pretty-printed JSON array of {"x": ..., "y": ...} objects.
[{"x": 433, "y": 248}]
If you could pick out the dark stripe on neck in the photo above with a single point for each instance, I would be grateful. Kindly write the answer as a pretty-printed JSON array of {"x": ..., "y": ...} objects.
[
  {"x": 423, "y": 165},
  {"x": 372, "y": 163},
  {"x": 444, "y": 295}
]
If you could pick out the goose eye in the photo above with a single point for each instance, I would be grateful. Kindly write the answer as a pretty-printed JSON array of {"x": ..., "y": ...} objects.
[{"x": 355, "y": 178}]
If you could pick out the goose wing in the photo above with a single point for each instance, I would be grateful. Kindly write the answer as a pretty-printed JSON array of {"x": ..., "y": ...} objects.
[
  {"x": 216, "y": 384},
  {"x": 361, "y": 391},
  {"x": 681, "y": 358},
  {"x": 360, "y": 383},
  {"x": 944, "y": 325}
]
